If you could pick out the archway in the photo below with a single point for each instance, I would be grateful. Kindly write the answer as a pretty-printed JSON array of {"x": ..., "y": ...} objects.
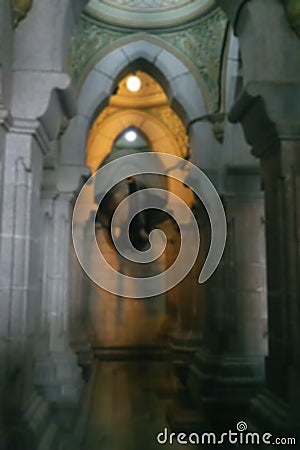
[
  {"x": 183, "y": 89},
  {"x": 150, "y": 114}
]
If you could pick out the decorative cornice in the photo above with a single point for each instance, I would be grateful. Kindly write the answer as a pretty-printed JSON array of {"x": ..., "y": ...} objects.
[{"x": 33, "y": 128}]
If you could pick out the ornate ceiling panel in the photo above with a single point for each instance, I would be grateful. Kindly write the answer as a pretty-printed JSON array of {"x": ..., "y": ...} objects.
[
  {"x": 147, "y": 14},
  {"x": 201, "y": 42}
]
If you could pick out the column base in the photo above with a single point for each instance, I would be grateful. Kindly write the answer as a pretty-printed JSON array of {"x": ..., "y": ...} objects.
[
  {"x": 32, "y": 427},
  {"x": 183, "y": 347},
  {"x": 270, "y": 414},
  {"x": 38, "y": 417},
  {"x": 181, "y": 414},
  {"x": 58, "y": 377},
  {"x": 202, "y": 374},
  {"x": 225, "y": 385}
]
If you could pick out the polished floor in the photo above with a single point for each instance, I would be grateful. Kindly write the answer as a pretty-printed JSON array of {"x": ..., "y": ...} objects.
[{"x": 126, "y": 406}]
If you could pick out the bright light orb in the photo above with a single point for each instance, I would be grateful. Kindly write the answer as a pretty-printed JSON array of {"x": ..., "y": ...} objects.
[
  {"x": 130, "y": 136},
  {"x": 133, "y": 83}
]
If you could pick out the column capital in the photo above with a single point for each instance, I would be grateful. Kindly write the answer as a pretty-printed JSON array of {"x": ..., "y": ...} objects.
[
  {"x": 268, "y": 113},
  {"x": 26, "y": 127},
  {"x": 54, "y": 99},
  {"x": 268, "y": 106}
]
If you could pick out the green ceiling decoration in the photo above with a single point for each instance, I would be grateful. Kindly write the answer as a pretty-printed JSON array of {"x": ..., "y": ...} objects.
[
  {"x": 201, "y": 43},
  {"x": 89, "y": 39}
]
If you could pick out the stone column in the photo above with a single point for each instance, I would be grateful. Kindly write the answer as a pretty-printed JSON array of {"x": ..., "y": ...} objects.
[
  {"x": 26, "y": 414},
  {"x": 57, "y": 373},
  {"x": 79, "y": 314},
  {"x": 275, "y": 140},
  {"x": 268, "y": 109},
  {"x": 228, "y": 376},
  {"x": 189, "y": 334},
  {"x": 187, "y": 337},
  {"x": 4, "y": 312},
  {"x": 90, "y": 289},
  {"x": 170, "y": 321},
  {"x": 278, "y": 407}
]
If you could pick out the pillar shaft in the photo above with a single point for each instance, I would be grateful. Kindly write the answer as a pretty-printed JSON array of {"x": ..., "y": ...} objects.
[
  {"x": 228, "y": 373},
  {"x": 243, "y": 291},
  {"x": 275, "y": 140},
  {"x": 190, "y": 325},
  {"x": 170, "y": 321},
  {"x": 281, "y": 181},
  {"x": 57, "y": 372},
  {"x": 26, "y": 414},
  {"x": 19, "y": 266},
  {"x": 188, "y": 335},
  {"x": 79, "y": 314}
]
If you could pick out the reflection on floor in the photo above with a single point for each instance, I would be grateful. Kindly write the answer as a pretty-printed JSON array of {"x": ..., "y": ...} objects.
[{"x": 127, "y": 406}]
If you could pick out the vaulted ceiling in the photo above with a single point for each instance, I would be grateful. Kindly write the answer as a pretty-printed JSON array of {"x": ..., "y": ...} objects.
[{"x": 148, "y": 14}]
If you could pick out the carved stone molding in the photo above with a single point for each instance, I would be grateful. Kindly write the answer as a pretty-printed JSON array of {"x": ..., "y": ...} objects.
[
  {"x": 20, "y": 9},
  {"x": 217, "y": 120},
  {"x": 218, "y": 125}
]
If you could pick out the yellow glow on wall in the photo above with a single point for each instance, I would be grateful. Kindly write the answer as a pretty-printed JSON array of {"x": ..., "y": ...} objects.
[{"x": 146, "y": 110}]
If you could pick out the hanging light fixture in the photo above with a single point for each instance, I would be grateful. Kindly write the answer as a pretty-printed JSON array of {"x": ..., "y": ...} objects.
[
  {"x": 133, "y": 83},
  {"x": 130, "y": 135}
]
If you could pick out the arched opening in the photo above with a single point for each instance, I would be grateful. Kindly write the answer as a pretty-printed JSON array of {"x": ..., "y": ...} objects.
[
  {"x": 185, "y": 91},
  {"x": 136, "y": 121}
]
